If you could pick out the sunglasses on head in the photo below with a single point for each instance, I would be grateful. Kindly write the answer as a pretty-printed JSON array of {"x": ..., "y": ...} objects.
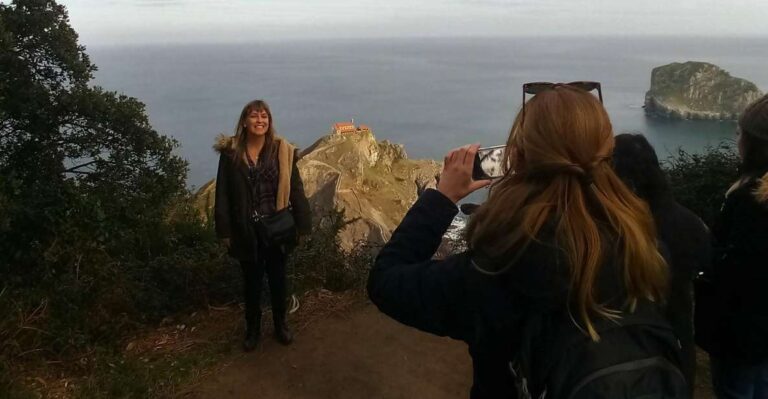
[{"x": 534, "y": 88}]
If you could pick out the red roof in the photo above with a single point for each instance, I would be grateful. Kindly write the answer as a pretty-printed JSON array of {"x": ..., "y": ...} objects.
[{"x": 338, "y": 125}]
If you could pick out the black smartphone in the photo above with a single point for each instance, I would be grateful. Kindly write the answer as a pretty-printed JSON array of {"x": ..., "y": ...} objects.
[{"x": 488, "y": 163}]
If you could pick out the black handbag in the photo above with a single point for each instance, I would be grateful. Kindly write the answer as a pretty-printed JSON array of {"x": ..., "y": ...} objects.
[{"x": 278, "y": 229}]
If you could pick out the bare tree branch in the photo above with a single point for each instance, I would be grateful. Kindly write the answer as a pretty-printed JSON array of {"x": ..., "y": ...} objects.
[
  {"x": 79, "y": 172},
  {"x": 74, "y": 168}
]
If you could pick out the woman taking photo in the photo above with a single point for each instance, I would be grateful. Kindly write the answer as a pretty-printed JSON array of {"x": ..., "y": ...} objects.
[
  {"x": 258, "y": 178},
  {"x": 738, "y": 344},
  {"x": 561, "y": 248}
]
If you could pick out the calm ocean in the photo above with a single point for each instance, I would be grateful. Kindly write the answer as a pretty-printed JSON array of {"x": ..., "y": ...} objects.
[{"x": 429, "y": 94}]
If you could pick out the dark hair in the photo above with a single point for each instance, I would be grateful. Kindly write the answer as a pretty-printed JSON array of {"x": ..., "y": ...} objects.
[
  {"x": 753, "y": 124},
  {"x": 636, "y": 163}
]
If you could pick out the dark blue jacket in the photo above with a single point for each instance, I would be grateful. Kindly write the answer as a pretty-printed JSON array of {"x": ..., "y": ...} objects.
[{"x": 451, "y": 298}]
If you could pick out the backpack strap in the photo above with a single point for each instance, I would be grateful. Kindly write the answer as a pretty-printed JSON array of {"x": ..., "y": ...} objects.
[{"x": 521, "y": 366}]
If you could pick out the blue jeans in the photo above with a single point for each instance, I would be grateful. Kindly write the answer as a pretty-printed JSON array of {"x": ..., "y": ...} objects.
[{"x": 738, "y": 381}]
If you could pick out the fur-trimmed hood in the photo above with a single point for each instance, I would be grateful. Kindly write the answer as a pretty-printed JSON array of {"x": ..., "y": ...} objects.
[
  {"x": 224, "y": 143},
  {"x": 761, "y": 193},
  {"x": 760, "y": 190}
]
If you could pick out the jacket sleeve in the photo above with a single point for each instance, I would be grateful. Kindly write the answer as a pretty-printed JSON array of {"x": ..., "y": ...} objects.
[
  {"x": 740, "y": 237},
  {"x": 298, "y": 199},
  {"x": 406, "y": 284},
  {"x": 221, "y": 213}
]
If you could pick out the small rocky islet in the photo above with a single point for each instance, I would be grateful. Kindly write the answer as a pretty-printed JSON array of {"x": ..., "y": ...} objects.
[{"x": 698, "y": 90}]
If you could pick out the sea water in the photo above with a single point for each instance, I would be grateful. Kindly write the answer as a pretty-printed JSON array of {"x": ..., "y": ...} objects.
[{"x": 429, "y": 94}]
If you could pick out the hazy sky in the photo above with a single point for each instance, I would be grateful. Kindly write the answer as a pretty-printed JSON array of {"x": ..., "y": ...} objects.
[{"x": 160, "y": 21}]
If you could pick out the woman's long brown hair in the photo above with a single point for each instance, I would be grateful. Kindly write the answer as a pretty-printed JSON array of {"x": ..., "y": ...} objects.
[
  {"x": 560, "y": 156},
  {"x": 241, "y": 133}
]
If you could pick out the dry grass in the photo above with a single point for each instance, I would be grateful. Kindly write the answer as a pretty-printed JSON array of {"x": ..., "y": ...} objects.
[{"x": 182, "y": 351}]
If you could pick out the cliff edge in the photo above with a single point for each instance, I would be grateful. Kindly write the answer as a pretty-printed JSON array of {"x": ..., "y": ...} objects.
[
  {"x": 373, "y": 182},
  {"x": 698, "y": 90}
]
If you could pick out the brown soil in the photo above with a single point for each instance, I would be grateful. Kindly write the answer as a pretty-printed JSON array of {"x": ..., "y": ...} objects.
[
  {"x": 346, "y": 348},
  {"x": 359, "y": 353}
]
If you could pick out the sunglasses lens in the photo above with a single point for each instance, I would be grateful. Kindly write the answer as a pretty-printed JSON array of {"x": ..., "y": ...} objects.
[
  {"x": 586, "y": 86},
  {"x": 536, "y": 88}
]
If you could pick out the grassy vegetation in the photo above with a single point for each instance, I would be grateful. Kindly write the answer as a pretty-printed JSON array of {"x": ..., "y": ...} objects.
[
  {"x": 159, "y": 351},
  {"x": 114, "y": 375}
]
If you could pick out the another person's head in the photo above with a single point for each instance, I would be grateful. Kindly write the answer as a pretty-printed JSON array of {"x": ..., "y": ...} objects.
[
  {"x": 255, "y": 120},
  {"x": 559, "y": 149},
  {"x": 753, "y": 137},
  {"x": 636, "y": 163}
]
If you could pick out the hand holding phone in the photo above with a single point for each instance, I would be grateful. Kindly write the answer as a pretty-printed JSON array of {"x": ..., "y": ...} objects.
[
  {"x": 456, "y": 179},
  {"x": 488, "y": 163}
]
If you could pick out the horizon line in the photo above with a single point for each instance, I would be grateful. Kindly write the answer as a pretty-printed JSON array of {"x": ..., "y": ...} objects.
[{"x": 425, "y": 38}]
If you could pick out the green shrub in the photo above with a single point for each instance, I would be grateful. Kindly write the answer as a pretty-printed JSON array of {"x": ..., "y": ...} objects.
[
  {"x": 115, "y": 376},
  {"x": 699, "y": 180},
  {"x": 86, "y": 292},
  {"x": 97, "y": 232},
  {"x": 321, "y": 262}
]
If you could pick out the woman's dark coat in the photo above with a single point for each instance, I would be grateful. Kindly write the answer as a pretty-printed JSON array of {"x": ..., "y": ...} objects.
[
  {"x": 451, "y": 298},
  {"x": 741, "y": 274},
  {"x": 232, "y": 211},
  {"x": 688, "y": 244}
]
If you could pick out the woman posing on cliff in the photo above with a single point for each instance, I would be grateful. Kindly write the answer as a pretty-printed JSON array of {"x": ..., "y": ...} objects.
[
  {"x": 257, "y": 178},
  {"x": 737, "y": 340},
  {"x": 562, "y": 279}
]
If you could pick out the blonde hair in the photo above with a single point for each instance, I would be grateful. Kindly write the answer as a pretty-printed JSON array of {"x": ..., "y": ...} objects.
[{"x": 560, "y": 156}]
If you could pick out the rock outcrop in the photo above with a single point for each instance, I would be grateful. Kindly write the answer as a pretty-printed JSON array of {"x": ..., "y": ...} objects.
[
  {"x": 373, "y": 182},
  {"x": 698, "y": 90}
]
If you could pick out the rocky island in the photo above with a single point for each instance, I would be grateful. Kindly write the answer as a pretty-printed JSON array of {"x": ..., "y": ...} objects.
[
  {"x": 698, "y": 90},
  {"x": 373, "y": 182}
]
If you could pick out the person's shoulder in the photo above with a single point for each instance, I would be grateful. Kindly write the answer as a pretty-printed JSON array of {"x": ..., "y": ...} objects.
[
  {"x": 749, "y": 190},
  {"x": 285, "y": 146},
  {"x": 224, "y": 144},
  {"x": 281, "y": 140},
  {"x": 687, "y": 219},
  {"x": 539, "y": 259}
]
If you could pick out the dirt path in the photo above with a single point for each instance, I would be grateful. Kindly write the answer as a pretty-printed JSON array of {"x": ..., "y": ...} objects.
[
  {"x": 346, "y": 349},
  {"x": 359, "y": 354}
]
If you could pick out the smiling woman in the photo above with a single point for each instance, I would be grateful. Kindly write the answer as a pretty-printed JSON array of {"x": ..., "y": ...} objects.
[{"x": 259, "y": 191}]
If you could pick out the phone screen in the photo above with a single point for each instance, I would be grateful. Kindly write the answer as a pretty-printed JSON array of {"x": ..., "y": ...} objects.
[{"x": 488, "y": 163}]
